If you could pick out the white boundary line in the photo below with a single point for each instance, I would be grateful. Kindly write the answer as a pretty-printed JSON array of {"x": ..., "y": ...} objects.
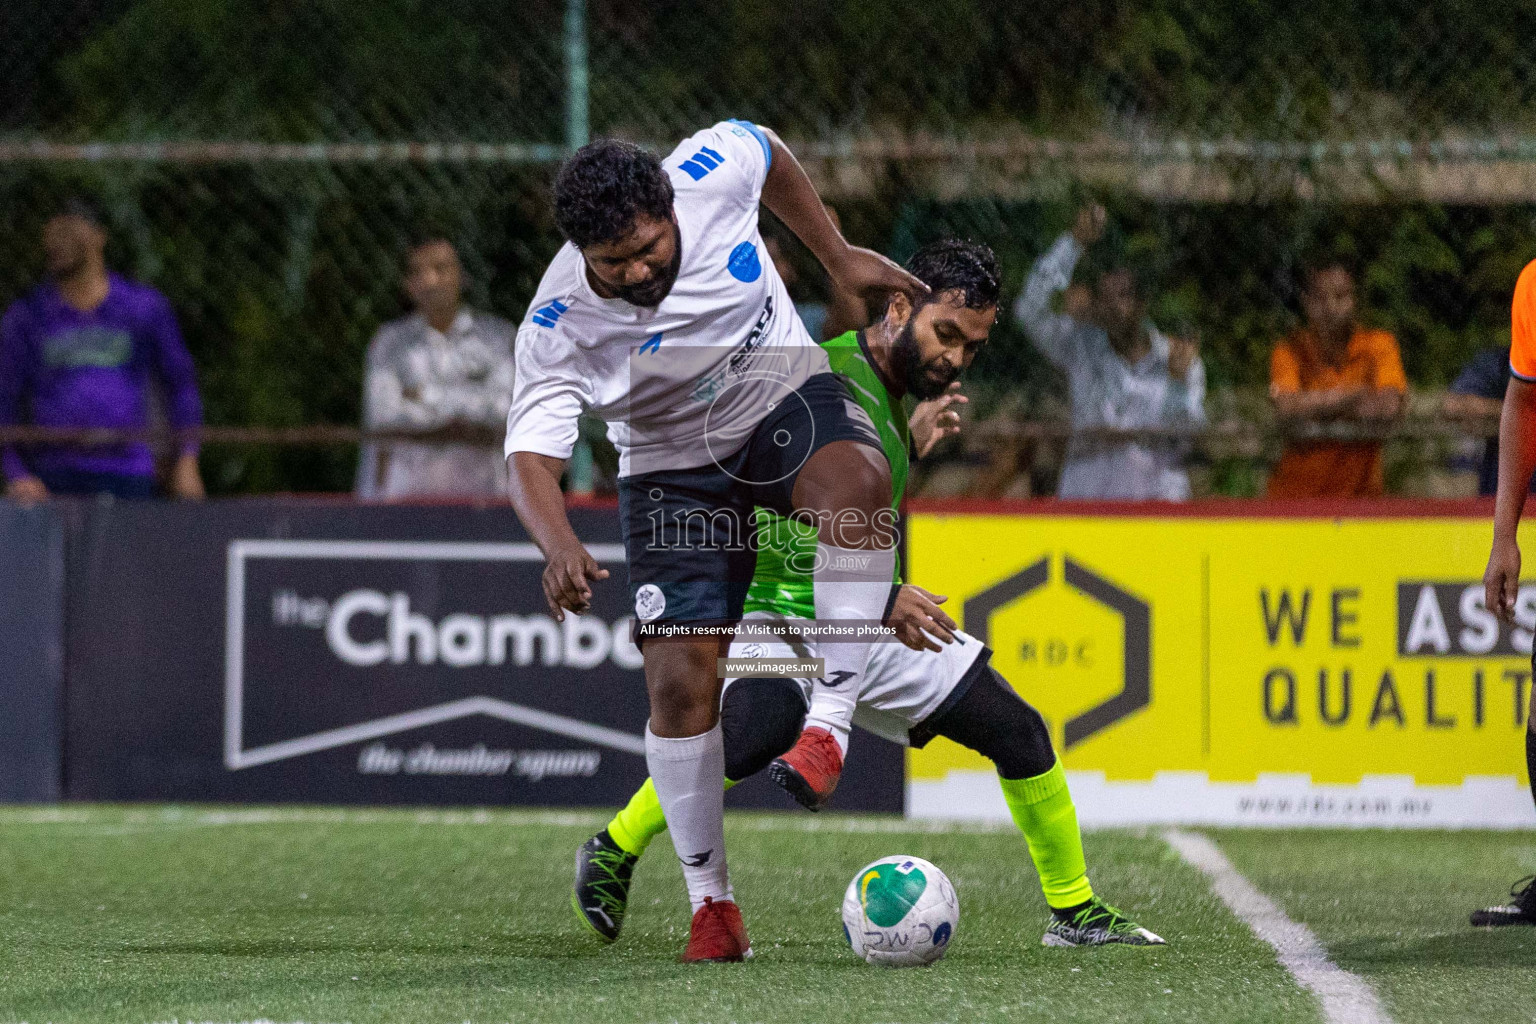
[
  {"x": 1346, "y": 997},
  {"x": 237, "y": 757}
]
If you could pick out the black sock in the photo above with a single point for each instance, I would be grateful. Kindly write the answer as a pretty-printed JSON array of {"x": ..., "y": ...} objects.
[{"x": 1530, "y": 760}]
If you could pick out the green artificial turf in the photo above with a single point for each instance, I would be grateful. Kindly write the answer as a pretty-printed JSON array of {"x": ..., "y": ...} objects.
[
  {"x": 206, "y": 914},
  {"x": 1392, "y": 907}
]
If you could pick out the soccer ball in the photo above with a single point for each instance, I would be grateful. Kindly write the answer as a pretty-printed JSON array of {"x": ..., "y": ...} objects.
[{"x": 901, "y": 912}]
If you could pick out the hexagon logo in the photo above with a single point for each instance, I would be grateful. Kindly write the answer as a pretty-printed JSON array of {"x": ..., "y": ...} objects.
[{"x": 982, "y": 610}]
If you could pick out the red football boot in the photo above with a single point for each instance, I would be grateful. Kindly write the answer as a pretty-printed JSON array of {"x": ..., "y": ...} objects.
[
  {"x": 717, "y": 935},
  {"x": 811, "y": 768}
]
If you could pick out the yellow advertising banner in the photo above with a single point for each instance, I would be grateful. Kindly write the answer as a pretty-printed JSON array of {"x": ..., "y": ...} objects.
[{"x": 1259, "y": 670}]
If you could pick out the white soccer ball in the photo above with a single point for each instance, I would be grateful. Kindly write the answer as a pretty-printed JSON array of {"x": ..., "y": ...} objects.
[{"x": 901, "y": 912}]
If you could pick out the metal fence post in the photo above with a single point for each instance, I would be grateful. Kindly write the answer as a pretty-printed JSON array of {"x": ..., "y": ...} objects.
[
  {"x": 577, "y": 133},
  {"x": 577, "y": 125}
]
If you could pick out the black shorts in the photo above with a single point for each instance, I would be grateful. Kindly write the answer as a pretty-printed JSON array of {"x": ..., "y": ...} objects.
[{"x": 688, "y": 533}]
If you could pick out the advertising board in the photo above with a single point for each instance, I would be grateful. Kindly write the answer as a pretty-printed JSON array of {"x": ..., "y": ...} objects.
[
  {"x": 328, "y": 652},
  {"x": 1243, "y": 670}
]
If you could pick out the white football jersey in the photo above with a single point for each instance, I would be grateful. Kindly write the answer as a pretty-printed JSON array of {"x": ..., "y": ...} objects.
[{"x": 686, "y": 383}]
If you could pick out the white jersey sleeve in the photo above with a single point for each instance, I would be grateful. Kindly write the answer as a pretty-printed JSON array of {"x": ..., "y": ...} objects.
[
  {"x": 549, "y": 395},
  {"x": 732, "y": 157}
]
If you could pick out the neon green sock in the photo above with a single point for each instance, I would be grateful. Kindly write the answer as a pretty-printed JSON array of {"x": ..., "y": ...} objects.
[
  {"x": 1043, "y": 809},
  {"x": 641, "y": 820}
]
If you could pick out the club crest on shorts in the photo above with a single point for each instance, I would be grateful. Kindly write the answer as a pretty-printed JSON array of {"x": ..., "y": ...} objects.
[{"x": 649, "y": 602}]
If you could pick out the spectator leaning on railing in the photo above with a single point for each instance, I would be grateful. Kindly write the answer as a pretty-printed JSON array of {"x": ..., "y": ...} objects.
[
  {"x": 1477, "y": 394},
  {"x": 1333, "y": 370},
  {"x": 1124, "y": 374},
  {"x": 447, "y": 369},
  {"x": 81, "y": 351}
]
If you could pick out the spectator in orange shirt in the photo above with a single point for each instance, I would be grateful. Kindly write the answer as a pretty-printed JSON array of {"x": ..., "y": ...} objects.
[{"x": 1333, "y": 369}]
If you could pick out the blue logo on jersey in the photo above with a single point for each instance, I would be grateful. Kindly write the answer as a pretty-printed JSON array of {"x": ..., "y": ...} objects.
[
  {"x": 551, "y": 313},
  {"x": 701, "y": 163},
  {"x": 744, "y": 264},
  {"x": 652, "y": 343}
]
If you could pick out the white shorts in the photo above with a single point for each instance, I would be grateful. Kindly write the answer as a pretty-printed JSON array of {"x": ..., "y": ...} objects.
[{"x": 902, "y": 688}]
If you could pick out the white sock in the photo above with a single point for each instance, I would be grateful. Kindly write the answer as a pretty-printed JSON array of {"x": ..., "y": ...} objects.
[
  {"x": 849, "y": 584},
  {"x": 687, "y": 774}
]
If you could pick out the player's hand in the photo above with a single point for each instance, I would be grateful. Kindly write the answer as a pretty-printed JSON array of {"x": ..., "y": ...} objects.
[
  {"x": 937, "y": 418},
  {"x": 1089, "y": 226},
  {"x": 1501, "y": 580},
  {"x": 917, "y": 615},
  {"x": 1077, "y": 301},
  {"x": 1182, "y": 353},
  {"x": 26, "y": 490},
  {"x": 869, "y": 275},
  {"x": 1379, "y": 404},
  {"x": 568, "y": 580},
  {"x": 187, "y": 480}
]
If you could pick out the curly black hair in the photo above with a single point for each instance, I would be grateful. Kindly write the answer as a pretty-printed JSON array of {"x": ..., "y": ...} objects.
[
  {"x": 604, "y": 187},
  {"x": 953, "y": 263}
]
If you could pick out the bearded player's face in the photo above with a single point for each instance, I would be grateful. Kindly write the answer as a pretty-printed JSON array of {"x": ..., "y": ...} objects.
[
  {"x": 640, "y": 267},
  {"x": 939, "y": 341}
]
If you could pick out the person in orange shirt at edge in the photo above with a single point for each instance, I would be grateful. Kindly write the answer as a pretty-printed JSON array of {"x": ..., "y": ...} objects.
[
  {"x": 1333, "y": 368},
  {"x": 1501, "y": 581}
]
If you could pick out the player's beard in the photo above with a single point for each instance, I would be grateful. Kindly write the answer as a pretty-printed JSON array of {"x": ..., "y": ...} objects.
[
  {"x": 923, "y": 380},
  {"x": 651, "y": 293}
]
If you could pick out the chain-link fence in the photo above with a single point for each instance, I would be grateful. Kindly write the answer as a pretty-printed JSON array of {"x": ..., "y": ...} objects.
[{"x": 263, "y": 161}]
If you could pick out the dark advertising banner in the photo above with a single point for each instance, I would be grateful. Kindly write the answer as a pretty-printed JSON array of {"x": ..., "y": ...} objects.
[
  {"x": 385, "y": 654},
  {"x": 31, "y": 652}
]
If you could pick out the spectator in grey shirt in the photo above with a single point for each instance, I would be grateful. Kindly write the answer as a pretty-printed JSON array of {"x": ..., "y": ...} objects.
[
  {"x": 1124, "y": 373},
  {"x": 444, "y": 368}
]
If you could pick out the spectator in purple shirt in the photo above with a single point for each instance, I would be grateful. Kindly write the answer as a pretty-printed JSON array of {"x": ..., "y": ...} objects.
[{"x": 82, "y": 350}]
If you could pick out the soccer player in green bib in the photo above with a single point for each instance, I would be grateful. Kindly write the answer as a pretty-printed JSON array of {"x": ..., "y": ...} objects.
[{"x": 938, "y": 681}]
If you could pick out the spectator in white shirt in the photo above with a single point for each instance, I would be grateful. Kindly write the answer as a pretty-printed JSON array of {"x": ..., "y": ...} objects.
[
  {"x": 444, "y": 368},
  {"x": 1124, "y": 374}
]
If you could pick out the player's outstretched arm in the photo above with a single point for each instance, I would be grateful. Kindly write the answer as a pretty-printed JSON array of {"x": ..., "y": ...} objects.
[
  {"x": 1517, "y": 460},
  {"x": 788, "y": 192},
  {"x": 540, "y": 505}
]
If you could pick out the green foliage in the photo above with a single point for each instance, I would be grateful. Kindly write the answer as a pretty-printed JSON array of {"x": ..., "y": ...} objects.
[
  {"x": 1068, "y": 67},
  {"x": 293, "y": 70},
  {"x": 281, "y": 272},
  {"x": 1439, "y": 277}
]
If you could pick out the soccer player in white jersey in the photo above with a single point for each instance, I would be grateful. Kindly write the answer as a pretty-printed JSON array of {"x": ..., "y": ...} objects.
[
  {"x": 943, "y": 686},
  {"x": 663, "y": 317}
]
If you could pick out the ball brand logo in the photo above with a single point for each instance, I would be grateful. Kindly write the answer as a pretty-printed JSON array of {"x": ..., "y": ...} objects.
[
  {"x": 982, "y": 610},
  {"x": 889, "y": 891}
]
